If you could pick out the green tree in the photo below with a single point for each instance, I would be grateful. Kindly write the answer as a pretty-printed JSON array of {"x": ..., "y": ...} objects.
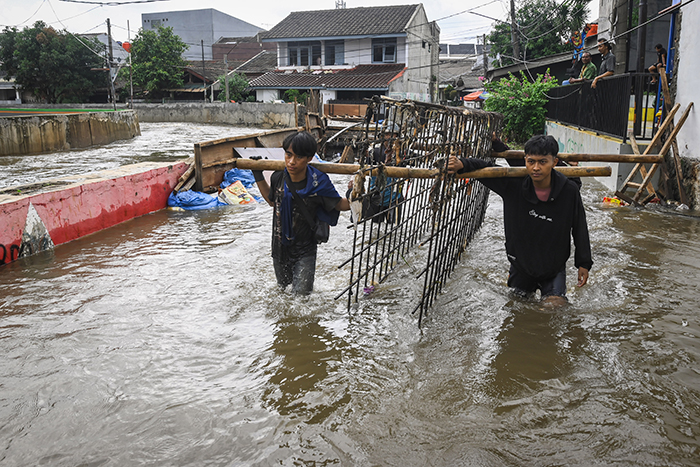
[
  {"x": 543, "y": 28},
  {"x": 156, "y": 59},
  {"x": 53, "y": 65},
  {"x": 237, "y": 85},
  {"x": 293, "y": 94},
  {"x": 522, "y": 103}
]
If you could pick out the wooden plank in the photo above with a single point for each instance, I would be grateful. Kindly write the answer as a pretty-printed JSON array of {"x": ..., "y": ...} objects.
[
  {"x": 346, "y": 155},
  {"x": 642, "y": 169},
  {"x": 624, "y": 197},
  {"x": 664, "y": 150},
  {"x": 668, "y": 121},
  {"x": 184, "y": 177},
  {"x": 676, "y": 155}
]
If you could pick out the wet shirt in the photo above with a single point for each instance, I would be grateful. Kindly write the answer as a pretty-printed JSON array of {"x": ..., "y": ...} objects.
[
  {"x": 538, "y": 233},
  {"x": 304, "y": 243}
]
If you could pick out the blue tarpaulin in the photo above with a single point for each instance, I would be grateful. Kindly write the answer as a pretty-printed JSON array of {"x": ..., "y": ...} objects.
[
  {"x": 245, "y": 176},
  {"x": 193, "y": 200}
]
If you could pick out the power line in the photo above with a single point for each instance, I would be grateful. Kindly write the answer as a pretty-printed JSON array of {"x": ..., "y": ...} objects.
[{"x": 127, "y": 2}]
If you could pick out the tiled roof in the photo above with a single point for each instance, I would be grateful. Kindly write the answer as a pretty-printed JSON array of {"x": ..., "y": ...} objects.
[
  {"x": 212, "y": 69},
  {"x": 359, "y": 77},
  {"x": 461, "y": 71},
  {"x": 262, "y": 63},
  {"x": 343, "y": 22}
]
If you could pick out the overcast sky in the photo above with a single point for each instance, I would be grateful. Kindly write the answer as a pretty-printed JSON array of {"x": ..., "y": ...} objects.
[{"x": 457, "y": 24}]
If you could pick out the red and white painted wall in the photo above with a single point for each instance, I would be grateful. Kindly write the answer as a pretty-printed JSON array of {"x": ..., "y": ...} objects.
[{"x": 61, "y": 210}]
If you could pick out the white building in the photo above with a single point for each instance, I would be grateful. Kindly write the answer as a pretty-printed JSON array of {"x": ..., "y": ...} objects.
[{"x": 199, "y": 28}]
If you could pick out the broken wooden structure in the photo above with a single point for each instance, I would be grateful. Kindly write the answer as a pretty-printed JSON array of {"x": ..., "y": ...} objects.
[{"x": 666, "y": 134}]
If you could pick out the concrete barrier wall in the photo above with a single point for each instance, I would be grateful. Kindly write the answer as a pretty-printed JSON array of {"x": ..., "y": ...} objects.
[
  {"x": 59, "y": 210},
  {"x": 48, "y": 133},
  {"x": 255, "y": 114}
]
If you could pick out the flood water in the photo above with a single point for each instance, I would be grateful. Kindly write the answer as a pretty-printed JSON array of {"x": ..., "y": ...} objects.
[{"x": 165, "y": 341}]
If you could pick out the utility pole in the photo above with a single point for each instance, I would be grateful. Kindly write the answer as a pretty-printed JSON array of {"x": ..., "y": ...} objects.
[
  {"x": 514, "y": 32},
  {"x": 204, "y": 79},
  {"x": 641, "y": 55},
  {"x": 110, "y": 59},
  {"x": 486, "y": 58},
  {"x": 642, "y": 37},
  {"x": 109, "y": 41},
  {"x": 226, "y": 76},
  {"x": 131, "y": 78}
]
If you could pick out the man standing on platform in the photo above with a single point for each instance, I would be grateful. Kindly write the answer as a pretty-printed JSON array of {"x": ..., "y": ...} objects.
[{"x": 607, "y": 66}]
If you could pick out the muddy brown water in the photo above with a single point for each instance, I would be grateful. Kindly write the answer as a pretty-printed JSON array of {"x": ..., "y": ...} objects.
[{"x": 165, "y": 341}]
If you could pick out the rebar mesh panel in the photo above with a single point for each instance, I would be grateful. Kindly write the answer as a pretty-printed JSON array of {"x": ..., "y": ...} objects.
[{"x": 442, "y": 213}]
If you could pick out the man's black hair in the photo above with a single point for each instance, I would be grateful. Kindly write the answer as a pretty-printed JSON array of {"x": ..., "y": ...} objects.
[
  {"x": 302, "y": 143},
  {"x": 606, "y": 43},
  {"x": 658, "y": 46},
  {"x": 542, "y": 145}
]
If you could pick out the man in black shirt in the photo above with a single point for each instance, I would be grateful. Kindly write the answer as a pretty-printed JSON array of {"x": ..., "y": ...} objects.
[
  {"x": 660, "y": 61},
  {"x": 541, "y": 212}
]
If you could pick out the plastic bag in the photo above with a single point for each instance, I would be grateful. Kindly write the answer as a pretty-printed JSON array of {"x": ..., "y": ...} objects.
[{"x": 236, "y": 193}]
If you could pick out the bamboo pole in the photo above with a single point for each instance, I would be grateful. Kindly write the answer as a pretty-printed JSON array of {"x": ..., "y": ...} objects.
[
  {"x": 410, "y": 172},
  {"x": 570, "y": 157}
]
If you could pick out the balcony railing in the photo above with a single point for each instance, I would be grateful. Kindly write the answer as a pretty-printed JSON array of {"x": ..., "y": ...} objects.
[{"x": 617, "y": 105}]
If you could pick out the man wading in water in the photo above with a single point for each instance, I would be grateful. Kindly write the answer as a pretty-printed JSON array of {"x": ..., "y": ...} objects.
[
  {"x": 301, "y": 197},
  {"x": 540, "y": 214}
]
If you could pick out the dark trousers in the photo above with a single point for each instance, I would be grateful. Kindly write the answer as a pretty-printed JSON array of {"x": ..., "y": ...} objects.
[
  {"x": 296, "y": 271},
  {"x": 525, "y": 285}
]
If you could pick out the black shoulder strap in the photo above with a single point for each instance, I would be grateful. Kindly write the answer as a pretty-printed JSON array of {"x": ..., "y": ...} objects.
[{"x": 300, "y": 202}]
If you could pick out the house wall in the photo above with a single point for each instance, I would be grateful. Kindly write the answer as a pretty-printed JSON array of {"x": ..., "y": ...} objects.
[
  {"x": 261, "y": 115},
  {"x": 422, "y": 53},
  {"x": 194, "y": 26},
  {"x": 240, "y": 51},
  {"x": 580, "y": 141},
  {"x": 327, "y": 96},
  {"x": 357, "y": 52},
  {"x": 687, "y": 90},
  {"x": 266, "y": 95}
]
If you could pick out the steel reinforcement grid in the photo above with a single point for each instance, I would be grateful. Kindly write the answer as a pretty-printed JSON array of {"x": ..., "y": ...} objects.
[{"x": 441, "y": 213}]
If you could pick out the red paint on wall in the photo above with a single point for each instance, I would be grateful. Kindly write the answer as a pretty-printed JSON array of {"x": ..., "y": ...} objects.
[{"x": 92, "y": 206}]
